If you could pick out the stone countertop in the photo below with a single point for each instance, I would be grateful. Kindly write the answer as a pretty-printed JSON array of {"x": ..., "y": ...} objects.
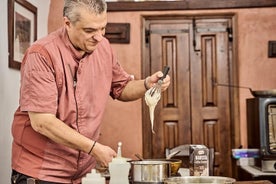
[
  {"x": 254, "y": 182},
  {"x": 256, "y": 171}
]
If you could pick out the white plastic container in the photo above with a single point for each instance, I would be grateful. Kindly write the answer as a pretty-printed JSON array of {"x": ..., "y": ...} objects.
[
  {"x": 119, "y": 169},
  {"x": 93, "y": 178}
]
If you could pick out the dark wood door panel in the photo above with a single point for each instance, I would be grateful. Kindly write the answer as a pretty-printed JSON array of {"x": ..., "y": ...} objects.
[
  {"x": 193, "y": 110},
  {"x": 211, "y": 106},
  {"x": 169, "y": 43}
]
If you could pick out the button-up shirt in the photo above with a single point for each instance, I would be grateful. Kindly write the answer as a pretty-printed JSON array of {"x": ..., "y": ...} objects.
[{"x": 56, "y": 79}]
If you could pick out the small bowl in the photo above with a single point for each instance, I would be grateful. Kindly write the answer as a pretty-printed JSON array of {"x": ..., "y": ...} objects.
[{"x": 175, "y": 165}]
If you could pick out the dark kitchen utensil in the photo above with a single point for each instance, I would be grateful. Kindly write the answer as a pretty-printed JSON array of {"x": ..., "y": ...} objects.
[
  {"x": 157, "y": 87},
  {"x": 139, "y": 156},
  {"x": 172, "y": 154},
  {"x": 255, "y": 93}
]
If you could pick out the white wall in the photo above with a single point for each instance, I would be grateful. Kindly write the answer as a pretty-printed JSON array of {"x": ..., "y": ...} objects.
[{"x": 9, "y": 83}]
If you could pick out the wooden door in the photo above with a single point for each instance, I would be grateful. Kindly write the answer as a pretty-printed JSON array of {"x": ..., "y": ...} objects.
[
  {"x": 192, "y": 110},
  {"x": 210, "y": 105},
  {"x": 169, "y": 44}
]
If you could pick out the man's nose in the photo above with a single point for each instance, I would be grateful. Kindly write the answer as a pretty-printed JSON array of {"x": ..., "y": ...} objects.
[{"x": 98, "y": 37}]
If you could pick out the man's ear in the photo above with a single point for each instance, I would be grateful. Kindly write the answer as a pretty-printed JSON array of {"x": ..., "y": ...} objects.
[{"x": 66, "y": 21}]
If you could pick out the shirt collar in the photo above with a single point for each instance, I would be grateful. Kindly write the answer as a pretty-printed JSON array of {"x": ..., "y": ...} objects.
[{"x": 76, "y": 54}]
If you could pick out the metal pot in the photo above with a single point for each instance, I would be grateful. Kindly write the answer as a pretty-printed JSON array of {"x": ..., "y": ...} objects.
[
  {"x": 258, "y": 93},
  {"x": 264, "y": 93},
  {"x": 175, "y": 163},
  {"x": 199, "y": 179},
  {"x": 150, "y": 171}
]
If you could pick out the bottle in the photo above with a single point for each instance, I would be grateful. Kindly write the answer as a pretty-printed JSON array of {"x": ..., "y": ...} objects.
[
  {"x": 93, "y": 178},
  {"x": 119, "y": 168}
]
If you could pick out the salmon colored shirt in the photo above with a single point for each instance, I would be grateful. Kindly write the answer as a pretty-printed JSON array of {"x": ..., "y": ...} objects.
[{"x": 56, "y": 79}]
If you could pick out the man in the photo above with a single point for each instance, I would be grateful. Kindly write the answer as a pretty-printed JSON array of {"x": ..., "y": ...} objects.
[{"x": 66, "y": 79}]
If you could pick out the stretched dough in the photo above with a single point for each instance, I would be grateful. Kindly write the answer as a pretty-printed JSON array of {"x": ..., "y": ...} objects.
[{"x": 151, "y": 101}]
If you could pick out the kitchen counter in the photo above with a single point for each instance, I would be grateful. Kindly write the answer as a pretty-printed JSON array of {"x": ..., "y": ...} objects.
[
  {"x": 242, "y": 182},
  {"x": 254, "y": 182},
  {"x": 257, "y": 177},
  {"x": 255, "y": 173}
]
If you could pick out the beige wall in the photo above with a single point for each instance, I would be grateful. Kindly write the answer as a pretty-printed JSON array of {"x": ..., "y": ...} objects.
[{"x": 255, "y": 27}]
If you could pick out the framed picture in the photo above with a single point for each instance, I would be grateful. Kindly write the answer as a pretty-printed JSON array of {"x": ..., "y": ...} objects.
[{"x": 22, "y": 26}]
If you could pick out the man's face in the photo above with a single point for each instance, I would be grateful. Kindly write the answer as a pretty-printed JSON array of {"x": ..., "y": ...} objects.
[{"x": 88, "y": 32}]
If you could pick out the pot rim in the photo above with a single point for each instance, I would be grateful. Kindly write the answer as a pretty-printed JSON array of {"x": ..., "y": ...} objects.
[
  {"x": 151, "y": 162},
  {"x": 222, "y": 178}
]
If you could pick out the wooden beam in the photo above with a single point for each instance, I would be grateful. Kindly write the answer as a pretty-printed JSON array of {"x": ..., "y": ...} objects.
[{"x": 187, "y": 5}]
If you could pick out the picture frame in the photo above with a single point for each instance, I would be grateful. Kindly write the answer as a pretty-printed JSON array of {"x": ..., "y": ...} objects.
[{"x": 22, "y": 30}]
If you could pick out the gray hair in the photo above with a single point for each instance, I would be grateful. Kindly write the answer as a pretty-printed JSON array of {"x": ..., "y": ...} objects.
[{"x": 71, "y": 8}]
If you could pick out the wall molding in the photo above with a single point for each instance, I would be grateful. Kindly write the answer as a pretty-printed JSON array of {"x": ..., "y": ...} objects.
[{"x": 187, "y": 5}]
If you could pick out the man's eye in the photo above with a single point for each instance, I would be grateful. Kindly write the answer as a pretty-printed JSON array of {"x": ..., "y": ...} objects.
[{"x": 89, "y": 30}]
